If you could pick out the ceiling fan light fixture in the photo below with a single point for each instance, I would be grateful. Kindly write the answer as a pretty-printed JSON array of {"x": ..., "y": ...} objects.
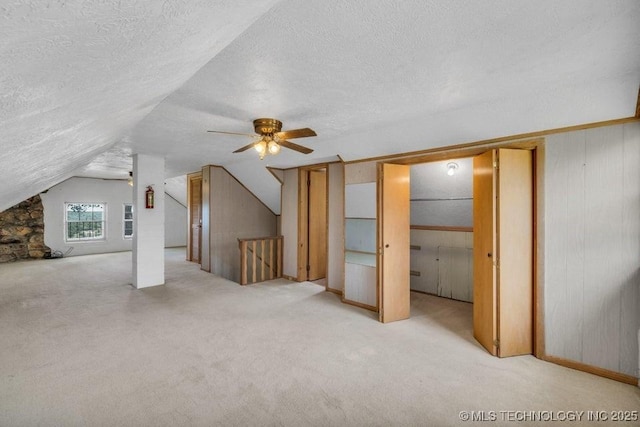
[
  {"x": 273, "y": 147},
  {"x": 270, "y": 138},
  {"x": 261, "y": 147}
]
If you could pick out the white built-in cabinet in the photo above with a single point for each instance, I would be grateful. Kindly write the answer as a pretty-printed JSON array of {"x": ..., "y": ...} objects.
[{"x": 360, "y": 245}]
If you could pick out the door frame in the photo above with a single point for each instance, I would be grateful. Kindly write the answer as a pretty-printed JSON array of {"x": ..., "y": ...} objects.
[
  {"x": 536, "y": 145},
  {"x": 303, "y": 217}
]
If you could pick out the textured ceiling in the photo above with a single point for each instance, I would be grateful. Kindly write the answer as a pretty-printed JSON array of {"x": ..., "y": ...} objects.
[{"x": 85, "y": 84}]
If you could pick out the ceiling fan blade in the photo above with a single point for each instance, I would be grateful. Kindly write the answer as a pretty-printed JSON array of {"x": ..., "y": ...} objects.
[
  {"x": 296, "y": 147},
  {"x": 245, "y": 148},
  {"x": 232, "y": 133},
  {"x": 295, "y": 133}
]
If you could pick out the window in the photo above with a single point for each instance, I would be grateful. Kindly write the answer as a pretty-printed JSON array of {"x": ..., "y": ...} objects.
[
  {"x": 128, "y": 221},
  {"x": 85, "y": 221}
]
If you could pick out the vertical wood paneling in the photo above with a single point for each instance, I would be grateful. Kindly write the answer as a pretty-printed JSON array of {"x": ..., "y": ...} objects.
[
  {"x": 355, "y": 173},
  {"x": 426, "y": 260},
  {"x": 630, "y": 262},
  {"x": 571, "y": 312},
  {"x": 235, "y": 213},
  {"x": 603, "y": 244},
  {"x": 335, "y": 256},
  {"x": 454, "y": 276},
  {"x": 565, "y": 257},
  {"x": 556, "y": 177},
  {"x": 592, "y": 241},
  {"x": 360, "y": 200},
  {"x": 360, "y": 285},
  {"x": 289, "y": 222}
]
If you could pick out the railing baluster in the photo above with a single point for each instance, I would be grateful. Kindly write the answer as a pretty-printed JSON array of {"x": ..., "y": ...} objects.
[
  {"x": 271, "y": 259},
  {"x": 279, "y": 257},
  {"x": 243, "y": 262},
  {"x": 262, "y": 261},
  {"x": 254, "y": 256},
  {"x": 260, "y": 250}
]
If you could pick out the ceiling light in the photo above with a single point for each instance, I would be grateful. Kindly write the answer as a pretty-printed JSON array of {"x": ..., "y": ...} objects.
[
  {"x": 451, "y": 168},
  {"x": 261, "y": 147},
  {"x": 274, "y": 147}
]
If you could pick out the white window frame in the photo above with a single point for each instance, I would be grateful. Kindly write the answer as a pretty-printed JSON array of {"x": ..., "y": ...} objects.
[
  {"x": 85, "y": 238},
  {"x": 125, "y": 220}
]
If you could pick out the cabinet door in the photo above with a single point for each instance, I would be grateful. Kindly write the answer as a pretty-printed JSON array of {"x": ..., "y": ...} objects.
[
  {"x": 503, "y": 251},
  {"x": 393, "y": 242}
]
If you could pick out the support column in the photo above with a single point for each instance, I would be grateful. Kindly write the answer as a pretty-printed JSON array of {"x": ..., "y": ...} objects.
[{"x": 148, "y": 224}]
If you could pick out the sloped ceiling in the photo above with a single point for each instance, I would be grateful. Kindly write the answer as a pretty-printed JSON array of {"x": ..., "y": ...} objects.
[{"x": 86, "y": 84}]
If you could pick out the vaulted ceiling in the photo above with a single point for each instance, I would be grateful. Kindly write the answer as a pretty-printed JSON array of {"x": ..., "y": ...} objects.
[{"x": 84, "y": 84}]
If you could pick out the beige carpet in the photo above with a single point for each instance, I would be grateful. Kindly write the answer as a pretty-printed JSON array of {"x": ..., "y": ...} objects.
[{"x": 80, "y": 346}]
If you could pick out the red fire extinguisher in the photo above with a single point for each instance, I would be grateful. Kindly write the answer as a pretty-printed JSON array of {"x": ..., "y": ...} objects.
[{"x": 149, "y": 197}]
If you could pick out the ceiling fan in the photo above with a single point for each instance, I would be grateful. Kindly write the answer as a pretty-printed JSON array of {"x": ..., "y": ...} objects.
[{"x": 271, "y": 137}]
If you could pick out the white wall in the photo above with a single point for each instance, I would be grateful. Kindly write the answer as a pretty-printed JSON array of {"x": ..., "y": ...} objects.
[
  {"x": 592, "y": 241},
  {"x": 115, "y": 193},
  {"x": 439, "y": 199},
  {"x": 148, "y": 224},
  {"x": 175, "y": 223}
]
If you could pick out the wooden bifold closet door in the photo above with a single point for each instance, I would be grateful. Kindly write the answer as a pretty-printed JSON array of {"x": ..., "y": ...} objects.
[
  {"x": 393, "y": 242},
  {"x": 503, "y": 251}
]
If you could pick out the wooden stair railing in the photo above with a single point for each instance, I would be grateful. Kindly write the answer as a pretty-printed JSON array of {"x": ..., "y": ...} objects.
[{"x": 260, "y": 259}]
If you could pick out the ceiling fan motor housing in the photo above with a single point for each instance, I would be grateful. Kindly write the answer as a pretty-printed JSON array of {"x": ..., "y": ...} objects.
[{"x": 267, "y": 126}]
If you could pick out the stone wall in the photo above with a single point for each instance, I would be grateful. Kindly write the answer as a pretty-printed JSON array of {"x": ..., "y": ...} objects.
[{"x": 22, "y": 231}]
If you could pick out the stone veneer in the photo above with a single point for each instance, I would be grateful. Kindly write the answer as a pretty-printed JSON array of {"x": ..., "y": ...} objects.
[{"x": 22, "y": 231}]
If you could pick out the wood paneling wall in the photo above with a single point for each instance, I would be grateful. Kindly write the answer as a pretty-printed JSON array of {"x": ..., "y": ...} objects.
[
  {"x": 335, "y": 257},
  {"x": 445, "y": 263},
  {"x": 235, "y": 213},
  {"x": 357, "y": 173},
  {"x": 592, "y": 241},
  {"x": 361, "y": 284},
  {"x": 289, "y": 222}
]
